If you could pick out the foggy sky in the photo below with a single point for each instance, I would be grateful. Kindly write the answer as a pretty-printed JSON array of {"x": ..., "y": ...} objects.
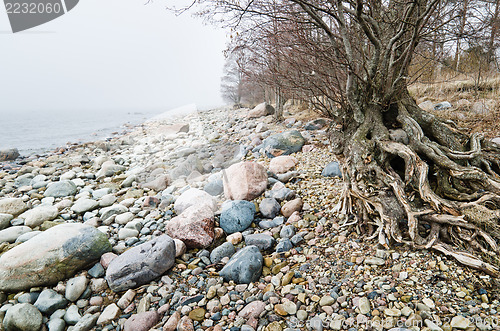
[{"x": 111, "y": 54}]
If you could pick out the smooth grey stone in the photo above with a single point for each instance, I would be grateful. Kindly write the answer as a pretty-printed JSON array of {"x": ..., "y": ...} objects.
[
  {"x": 288, "y": 231},
  {"x": 236, "y": 216},
  {"x": 262, "y": 241},
  {"x": 27, "y": 236},
  {"x": 75, "y": 288},
  {"x": 86, "y": 323},
  {"x": 49, "y": 301},
  {"x": 269, "y": 208},
  {"x": 61, "y": 189},
  {"x": 53, "y": 255},
  {"x": 72, "y": 315},
  {"x": 284, "y": 246},
  {"x": 244, "y": 267},
  {"x": 28, "y": 297},
  {"x": 224, "y": 250},
  {"x": 97, "y": 194},
  {"x": 83, "y": 205},
  {"x": 11, "y": 234},
  {"x": 23, "y": 180},
  {"x": 282, "y": 194},
  {"x": 97, "y": 271},
  {"x": 23, "y": 316},
  {"x": 56, "y": 324},
  {"x": 297, "y": 239},
  {"x": 214, "y": 187},
  {"x": 277, "y": 221},
  {"x": 112, "y": 210},
  {"x": 332, "y": 169},
  {"x": 316, "y": 124},
  {"x": 141, "y": 264},
  {"x": 400, "y": 136}
]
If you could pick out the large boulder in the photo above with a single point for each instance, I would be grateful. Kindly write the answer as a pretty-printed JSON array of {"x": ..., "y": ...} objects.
[
  {"x": 262, "y": 109},
  {"x": 282, "y": 164},
  {"x": 194, "y": 197},
  {"x": 195, "y": 227},
  {"x": 51, "y": 256},
  {"x": 236, "y": 216},
  {"x": 244, "y": 181},
  {"x": 13, "y": 206},
  {"x": 244, "y": 267},
  {"x": 36, "y": 216},
  {"x": 141, "y": 264},
  {"x": 9, "y": 154},
  {"x": 61, "y": 189},
  {"x": 284, "y": 143}
]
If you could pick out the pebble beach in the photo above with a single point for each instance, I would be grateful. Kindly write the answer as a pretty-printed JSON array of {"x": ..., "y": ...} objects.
[{"x": 216, "y": 220}]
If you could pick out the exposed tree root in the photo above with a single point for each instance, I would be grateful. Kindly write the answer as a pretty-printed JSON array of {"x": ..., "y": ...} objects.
[{"x": 440, "y": 191}]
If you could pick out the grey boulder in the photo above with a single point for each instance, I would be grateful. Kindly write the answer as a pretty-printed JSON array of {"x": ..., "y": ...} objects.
[
  {"x": 23, "y": 316},
  {"x": 244, "y": 267},
  {"x": 141, "y": 264},
  {"x": 12, "y": 206},
  {"x": 51, "y": 256},
  {"x": 269, "y": 208},
  {"x": 262, "y": 241},
  {"x": 284, "y": 143},
  {"x": 236, "y": 216},
  {"x": 49, "y": 301},
  {"x": 61, "y": 189}
]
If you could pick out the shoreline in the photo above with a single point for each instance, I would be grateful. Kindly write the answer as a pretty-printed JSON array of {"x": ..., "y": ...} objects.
[{"x": 314, "y": 271}]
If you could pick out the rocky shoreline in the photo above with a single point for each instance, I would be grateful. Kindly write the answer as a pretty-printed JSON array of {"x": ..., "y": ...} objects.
[{"x": 220, "y": 220}]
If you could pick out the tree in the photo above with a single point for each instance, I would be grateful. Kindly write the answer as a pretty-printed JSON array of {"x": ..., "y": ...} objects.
[{"x": 434, "y": 187}]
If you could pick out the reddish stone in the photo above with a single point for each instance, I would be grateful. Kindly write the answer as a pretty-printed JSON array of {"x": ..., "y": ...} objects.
[
  {"x": 106, "y": 259},
  {"x": 195, "y": 227},
  {"x": 291, "y": 206},
  {"x": 282, "y": 164},
  {"x": 244, "y": 181},
  {"x": 142, "y": 321},
  {"x": 171, "y": 324},
  {"x": 252, "y": 310}
]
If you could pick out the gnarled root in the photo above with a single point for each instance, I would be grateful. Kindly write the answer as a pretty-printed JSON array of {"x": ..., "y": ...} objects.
[{"x": 444, "y": 196}]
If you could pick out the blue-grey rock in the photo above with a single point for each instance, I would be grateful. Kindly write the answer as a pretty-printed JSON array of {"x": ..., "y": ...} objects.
[
  {"x": 236, "y": 216},
  {"x": 72, "y": 315},
  {"x": 269, "y": 208},
  {"x": 22, "y": 316},
  {"x": 23, "y": 180},
  {"x": 28, "y": 297},
  {"x": 277, "y": 221},
  {"x": 244, "y": 267},
  {"x": 214, "y": 187},
  {"x": 141, "y": 264},
  {"x": 56, "y": 324},
  {"x": 49, "y": 301},
  {"x": 288, "y": 231},
  {"x": 332, "y": 170},
  {"x": 53, "y": 255},
  {"x": 61, "y": 189},
  {"x": 262, "y": 241},
  {"x": 284, "y": 246},
  {"x": 27, "y": 236},
  {"x": 112, "y": 210},
  {"x": 282, "y": 194},
  {"x": 284, "y": 143},
  {"x": 86, "y": 323},
  {"x": 224, "y": 250},
  {"x": 297, "y": 239},
  {"x": 97, "y": 271}
]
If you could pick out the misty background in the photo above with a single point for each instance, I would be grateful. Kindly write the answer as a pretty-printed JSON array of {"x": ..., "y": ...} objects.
[{"x": 105, "y": 59}]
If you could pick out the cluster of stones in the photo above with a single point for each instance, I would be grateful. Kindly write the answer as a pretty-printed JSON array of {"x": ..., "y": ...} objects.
[{"x": 213, "y": 225}]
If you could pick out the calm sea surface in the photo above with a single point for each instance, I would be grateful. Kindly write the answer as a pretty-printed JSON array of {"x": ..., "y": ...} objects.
[{"x": 37, "y": 132}]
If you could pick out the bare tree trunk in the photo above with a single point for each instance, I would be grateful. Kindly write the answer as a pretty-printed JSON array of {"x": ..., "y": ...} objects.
[
  {"x": 278, "y": 114},
  {"x": 461, "y": 30},
  {"x": 493, "y": 34}
]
